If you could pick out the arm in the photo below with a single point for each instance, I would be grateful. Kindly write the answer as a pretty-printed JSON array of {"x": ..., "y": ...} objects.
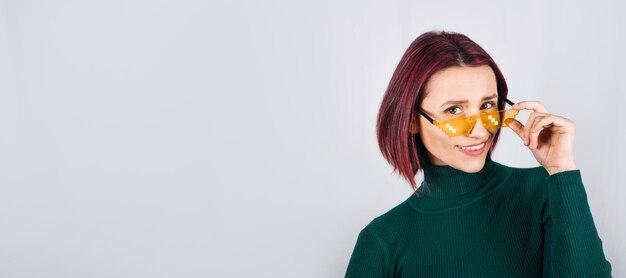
[
  {"x": 572, "y": 247},
  {"x": 370, "y": 257}
]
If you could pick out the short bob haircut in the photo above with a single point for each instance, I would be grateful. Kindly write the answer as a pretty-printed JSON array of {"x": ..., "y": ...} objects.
[{"x": 427, "y": 54}]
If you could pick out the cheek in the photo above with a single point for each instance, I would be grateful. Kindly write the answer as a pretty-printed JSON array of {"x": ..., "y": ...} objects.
[{"x": 435, "y": 140}]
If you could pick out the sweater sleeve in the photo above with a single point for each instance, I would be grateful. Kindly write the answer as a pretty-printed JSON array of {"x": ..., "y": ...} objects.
[
  {"x": 572, "y": 246},
  {"x": 370, "y": 257}
]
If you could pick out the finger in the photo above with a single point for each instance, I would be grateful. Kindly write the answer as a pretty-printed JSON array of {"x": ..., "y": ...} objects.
[
  {"x": 530, "y": 105},
  {"x": 538, "y": 125},
  {"x": 546, "y": 123},
  {"x": 529, "y": 123},
  {"x": 518, "y": 128}
]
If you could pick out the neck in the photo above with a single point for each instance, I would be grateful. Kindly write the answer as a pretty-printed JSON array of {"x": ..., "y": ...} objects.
[{"x": 447, "y": 181}]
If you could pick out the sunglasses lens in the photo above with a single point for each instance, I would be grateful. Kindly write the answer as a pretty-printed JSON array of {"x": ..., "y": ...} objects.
[
  {"x": 464, "y": 125},
  {"x": 491, "y": 119},
  {"x": 458, "y": 126}
]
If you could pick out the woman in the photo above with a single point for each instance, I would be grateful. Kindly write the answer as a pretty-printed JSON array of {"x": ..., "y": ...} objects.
[{"x": 473, "y": 217}]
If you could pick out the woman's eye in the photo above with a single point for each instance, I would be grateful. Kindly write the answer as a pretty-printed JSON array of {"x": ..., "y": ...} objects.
[
  {"x": 488, "y": 105},
  {"x": 453, "y": 110},
  {"x": 457, "y": 109}
]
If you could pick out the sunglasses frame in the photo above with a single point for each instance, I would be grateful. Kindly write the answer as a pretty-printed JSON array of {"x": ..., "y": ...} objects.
[{"x": 436, "y": 123}]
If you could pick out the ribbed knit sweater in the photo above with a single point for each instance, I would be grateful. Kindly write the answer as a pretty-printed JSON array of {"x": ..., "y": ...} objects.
[{"x": 498, "y": 222}]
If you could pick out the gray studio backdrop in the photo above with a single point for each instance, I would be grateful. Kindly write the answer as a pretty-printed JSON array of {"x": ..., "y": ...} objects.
[{"x": 236, "y": 138}]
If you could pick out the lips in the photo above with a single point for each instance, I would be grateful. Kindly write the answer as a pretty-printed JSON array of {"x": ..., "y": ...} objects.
[
  {"x": 473, "y": 150},
  {"x": 473, "y": 147}
]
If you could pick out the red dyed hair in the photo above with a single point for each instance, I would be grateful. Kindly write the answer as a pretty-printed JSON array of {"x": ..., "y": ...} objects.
[{"x": 429, "y": 53}]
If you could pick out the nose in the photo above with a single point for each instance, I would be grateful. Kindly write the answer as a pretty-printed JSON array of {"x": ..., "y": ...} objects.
[{"x": 479, "y": 130}]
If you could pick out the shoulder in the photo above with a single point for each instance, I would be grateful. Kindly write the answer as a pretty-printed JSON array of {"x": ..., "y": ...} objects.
[{"x": 386, "y": 225}]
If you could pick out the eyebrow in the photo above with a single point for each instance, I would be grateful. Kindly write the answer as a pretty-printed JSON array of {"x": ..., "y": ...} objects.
[{"x": 465, "y": 101}]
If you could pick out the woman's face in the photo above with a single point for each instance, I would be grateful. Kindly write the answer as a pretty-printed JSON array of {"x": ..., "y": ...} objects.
[{"x": 453, "y": 92}]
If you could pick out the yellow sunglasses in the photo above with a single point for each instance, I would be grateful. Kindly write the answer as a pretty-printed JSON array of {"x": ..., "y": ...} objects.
[{"x": 464, "y": 125}]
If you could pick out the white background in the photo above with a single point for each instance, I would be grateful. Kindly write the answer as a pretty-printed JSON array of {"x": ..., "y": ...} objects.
[{"x": 237, "y": 138}]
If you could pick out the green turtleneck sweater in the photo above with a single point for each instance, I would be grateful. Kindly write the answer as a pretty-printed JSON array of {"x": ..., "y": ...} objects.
[{"x": 498, "y": 222}]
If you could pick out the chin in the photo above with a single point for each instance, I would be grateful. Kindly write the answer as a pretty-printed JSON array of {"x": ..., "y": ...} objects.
[{"x": 472, "y": 165}]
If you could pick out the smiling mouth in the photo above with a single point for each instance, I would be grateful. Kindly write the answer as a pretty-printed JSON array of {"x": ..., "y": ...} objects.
[{"x": 473, "y": 147}]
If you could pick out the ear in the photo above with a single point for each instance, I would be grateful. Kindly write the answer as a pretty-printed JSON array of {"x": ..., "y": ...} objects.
[{"x": 414, "y": 124}]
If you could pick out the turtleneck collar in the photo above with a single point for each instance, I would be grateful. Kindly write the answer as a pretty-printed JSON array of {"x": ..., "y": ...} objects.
[{"x": 447, "y": 181}]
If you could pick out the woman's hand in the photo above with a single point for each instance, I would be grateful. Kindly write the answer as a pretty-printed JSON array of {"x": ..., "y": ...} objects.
[{"x": 549, "y": 137}]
